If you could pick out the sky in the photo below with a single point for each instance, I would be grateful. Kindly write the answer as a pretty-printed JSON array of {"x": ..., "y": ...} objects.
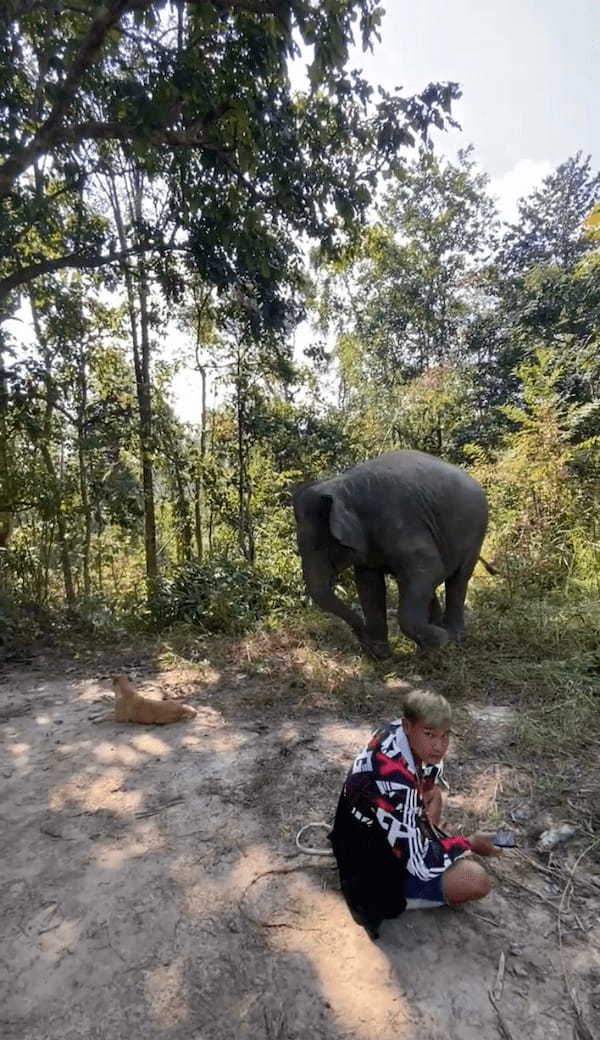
[{"x": 529, "y": 71}]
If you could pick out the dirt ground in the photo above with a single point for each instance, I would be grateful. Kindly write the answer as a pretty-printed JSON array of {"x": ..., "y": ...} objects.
[{"x": 152, "y": 888}]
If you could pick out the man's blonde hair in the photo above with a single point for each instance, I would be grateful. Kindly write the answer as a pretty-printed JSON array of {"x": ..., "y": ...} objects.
[{"x": 427, "y": 707}]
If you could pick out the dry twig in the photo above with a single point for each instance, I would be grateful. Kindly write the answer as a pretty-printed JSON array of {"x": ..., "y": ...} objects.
[
  {"x": 159, "y": 808},
  {"x": 499, "y": 983},
  {"x": 504, "y": 1028},
  {"x": 556, "y": 875},
  {"x": 583, "y": 1030}
]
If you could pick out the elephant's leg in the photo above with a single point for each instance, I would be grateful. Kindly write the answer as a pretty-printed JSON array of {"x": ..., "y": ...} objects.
[
  {"x": 436, "y": 616},
  {"x": 414, "y": 614},
  {"x": 370, "y": 585},
  {"x": 456, "y": 590}
]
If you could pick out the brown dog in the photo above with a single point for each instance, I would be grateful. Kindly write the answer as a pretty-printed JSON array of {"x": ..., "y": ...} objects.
[{"x": 133, "y": 707}]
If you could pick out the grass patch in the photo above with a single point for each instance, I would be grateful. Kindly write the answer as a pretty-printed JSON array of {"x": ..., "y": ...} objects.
[{"x": 567, "y": 724}]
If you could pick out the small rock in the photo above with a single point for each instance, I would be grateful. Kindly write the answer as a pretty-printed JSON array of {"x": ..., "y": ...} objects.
[
  {"x": 521, "y": 971},
  {"x": 553, "y": 837},
  {"x": 516, "y": 948},
  {"x": 521, "y": 813}
]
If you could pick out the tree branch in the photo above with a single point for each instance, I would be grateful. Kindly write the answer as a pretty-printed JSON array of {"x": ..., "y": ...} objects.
[
  {"x": 83, "y": 261},
  {"x": 97, "y": 130},
  {"x": 49, "y": 132},
  {"x": 87, "y": 54}
]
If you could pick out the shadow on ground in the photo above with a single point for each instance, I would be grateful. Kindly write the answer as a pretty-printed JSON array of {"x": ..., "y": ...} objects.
[{"x": 152, "y": 887}]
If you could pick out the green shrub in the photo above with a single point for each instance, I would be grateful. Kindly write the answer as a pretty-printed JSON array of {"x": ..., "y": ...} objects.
[{"x": 222, "y": 595}]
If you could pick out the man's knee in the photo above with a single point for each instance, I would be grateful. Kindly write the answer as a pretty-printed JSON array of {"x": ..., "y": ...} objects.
[
  {"x": 465, "y": 882},
  {"x": 481, "y": 884}
]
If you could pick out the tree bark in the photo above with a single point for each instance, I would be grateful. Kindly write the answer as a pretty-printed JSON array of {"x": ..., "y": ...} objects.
[
  {"x": 43, "y": 439},
  {"x": 137, "y": 297},
  {"x": 83, "y": 475}
]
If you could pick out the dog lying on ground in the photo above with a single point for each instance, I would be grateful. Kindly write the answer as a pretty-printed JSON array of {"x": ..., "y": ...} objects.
[{"x": 133, "y": 707}]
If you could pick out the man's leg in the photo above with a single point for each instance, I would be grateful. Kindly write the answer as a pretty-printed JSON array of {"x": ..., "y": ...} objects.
[{"x": 465, "y": 881}]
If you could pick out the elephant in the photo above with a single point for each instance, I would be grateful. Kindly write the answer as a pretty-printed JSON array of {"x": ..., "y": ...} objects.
[{"x": 407, "y": 514}]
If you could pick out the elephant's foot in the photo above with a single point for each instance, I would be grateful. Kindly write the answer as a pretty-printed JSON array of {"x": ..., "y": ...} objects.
[
  {"x": 432, "y": 638},
  {"x": 379, "y": 650},
  {"x": 455, "y": 630}
]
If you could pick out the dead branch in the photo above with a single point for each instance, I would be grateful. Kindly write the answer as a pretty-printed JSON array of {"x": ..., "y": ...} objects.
[
  {"x": 583, "y": 1030},
  {"x": 159, "y": 808},
  {"x": 499, "y": 983},
  {"x": 504, "y": 1028}
]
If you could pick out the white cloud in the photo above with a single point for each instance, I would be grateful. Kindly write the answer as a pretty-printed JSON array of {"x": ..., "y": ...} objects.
[{"x": 522, "y": 179}]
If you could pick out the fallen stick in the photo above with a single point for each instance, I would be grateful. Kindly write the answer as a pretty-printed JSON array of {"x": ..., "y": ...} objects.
[
  {"x": 581, "y": 1027},
  {"x": 504, "y": 1028},
  {"x": 159, "y": 808},
  {"x": 525, "y": 888},
  {"x": 556, "y": 874},
  {"x": 499, "y": 983},
  {"x": 482, "y": 917},
  {"x": 54, "y": 834}
]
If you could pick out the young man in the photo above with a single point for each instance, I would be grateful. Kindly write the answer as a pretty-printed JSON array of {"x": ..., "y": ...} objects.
[{"x": 390, "y": 852}]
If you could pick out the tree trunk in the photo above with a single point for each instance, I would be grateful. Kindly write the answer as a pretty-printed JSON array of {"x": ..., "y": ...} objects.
[
  {"x": 137, "y": 294},
  {"x": 61, "y": 527},
  {"x": 44, "y": 439},
  {"x": 245, "y": 529},
  {"x": 83, "y": 475},
  {"x": 6, "y": 469},
  {"x": 199, "y": 475},
  {"x": 184, "y": 524}
]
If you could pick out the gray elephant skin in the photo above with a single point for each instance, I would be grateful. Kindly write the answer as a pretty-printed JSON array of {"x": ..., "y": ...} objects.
[{"x": 406, "y": 514}]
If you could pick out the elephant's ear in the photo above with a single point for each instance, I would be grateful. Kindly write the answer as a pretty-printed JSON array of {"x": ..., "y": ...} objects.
[{"x": 345, "y": 525}]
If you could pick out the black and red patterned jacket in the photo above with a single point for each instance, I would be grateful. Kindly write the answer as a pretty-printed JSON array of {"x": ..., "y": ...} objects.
[{"x": 381, "y": 828}]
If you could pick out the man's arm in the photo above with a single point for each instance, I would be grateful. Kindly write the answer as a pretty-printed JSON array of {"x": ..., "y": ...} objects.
[{"x": 397, "y": 813}]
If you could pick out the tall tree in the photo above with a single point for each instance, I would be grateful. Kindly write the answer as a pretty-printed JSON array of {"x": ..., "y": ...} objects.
[
  {"x": 405, "y": 300},
  {"x": 548, "y": 283},
  {"x": 199, "y": 93},
  {"x": 550, "y": 228}
]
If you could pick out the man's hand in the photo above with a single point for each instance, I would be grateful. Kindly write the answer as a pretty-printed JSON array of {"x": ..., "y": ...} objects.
[{"x": 481, "y": 844}]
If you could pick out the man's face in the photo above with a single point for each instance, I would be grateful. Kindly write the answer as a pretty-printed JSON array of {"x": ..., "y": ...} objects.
[{"x": 429, "y": 743}]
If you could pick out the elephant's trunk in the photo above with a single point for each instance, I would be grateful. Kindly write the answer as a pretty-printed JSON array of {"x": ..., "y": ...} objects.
[{"x": 318, "y": 576}]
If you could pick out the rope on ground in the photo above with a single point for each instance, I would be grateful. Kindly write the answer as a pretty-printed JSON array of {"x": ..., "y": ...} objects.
[
  {"x": 309, "y": 850},
  {"x": 271, "y": 924}
]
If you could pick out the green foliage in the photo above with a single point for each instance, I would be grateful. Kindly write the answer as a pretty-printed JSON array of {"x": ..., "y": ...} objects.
[
  {"x": 550, "y": 228},
  {"x": 197, "y": 99},
  {"x": 223, "y": 595},
  {"x": 538, "y": 524}
]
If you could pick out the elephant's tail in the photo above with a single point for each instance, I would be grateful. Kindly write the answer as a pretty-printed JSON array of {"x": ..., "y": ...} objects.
[{"x": 488, "y": 566}]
